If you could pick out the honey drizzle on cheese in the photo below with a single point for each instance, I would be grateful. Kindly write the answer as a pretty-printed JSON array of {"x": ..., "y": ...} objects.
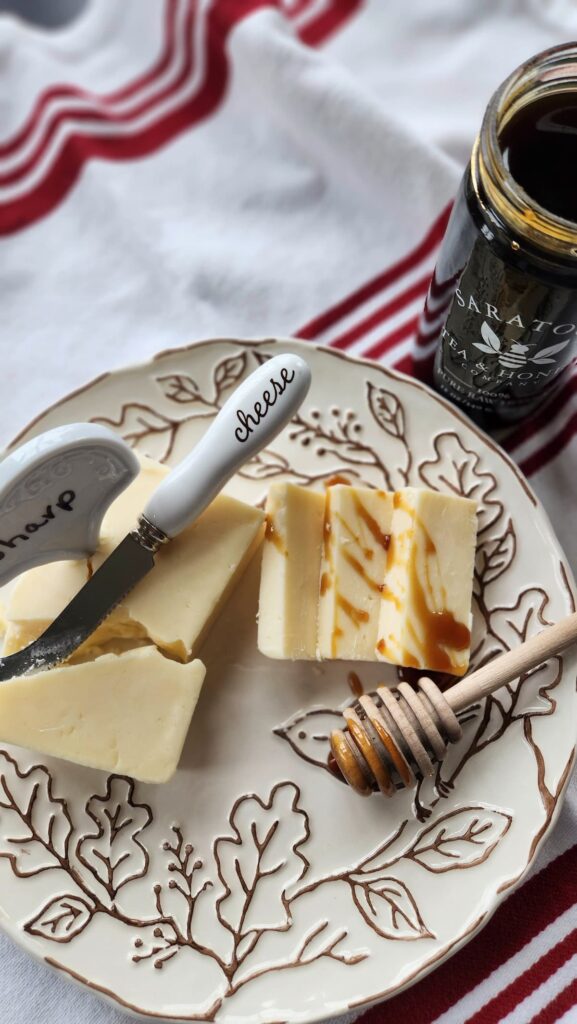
[
  {"x": 360, "y": 569},
  {"x": 433, "y": 631},
  {"x": 387, "y": 595},
  {"x": 271, "y": 534},
  {"x": 384, "y": 539},
  {"x": 338, "y": 478},
  {"x": 327, "y": 532},
  {"x": 368, "y": 553},
  {"x": 356, "y": 615}
]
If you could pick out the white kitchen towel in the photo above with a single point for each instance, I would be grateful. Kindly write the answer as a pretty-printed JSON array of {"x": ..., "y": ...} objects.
[{"x": 172, "y": 170}]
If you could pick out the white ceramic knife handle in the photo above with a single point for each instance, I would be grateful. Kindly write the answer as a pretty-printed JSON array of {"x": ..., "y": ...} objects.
[
  {"x": 54, "y": 491},
  {"x": 254, "y": 414}
]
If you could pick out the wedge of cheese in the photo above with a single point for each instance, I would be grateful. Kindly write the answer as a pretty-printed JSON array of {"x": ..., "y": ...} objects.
[
  {"x": 127, "y": 714},
  {"x": 174, "y": 605},
  {"x": 356, "y": 539},
  {"x": 425, "y": 614},
  {"x": 287, "y": 623}
]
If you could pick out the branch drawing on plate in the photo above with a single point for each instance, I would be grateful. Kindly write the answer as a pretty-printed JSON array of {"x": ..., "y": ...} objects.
[
  {"x": 257, "y": 872},
  {"x": 153, "y": 432},
  {"x": 336, "y": 436}
]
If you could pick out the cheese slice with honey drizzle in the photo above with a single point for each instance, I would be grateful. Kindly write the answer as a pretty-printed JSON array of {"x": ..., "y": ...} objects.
[
  {"x": 289, "y": 587},
  {"x": 425, "y": 608},
  {"x": 356, "y": 538}
]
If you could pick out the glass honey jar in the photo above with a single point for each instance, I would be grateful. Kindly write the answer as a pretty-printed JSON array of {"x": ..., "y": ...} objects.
[{"x": 505, "y": 286}]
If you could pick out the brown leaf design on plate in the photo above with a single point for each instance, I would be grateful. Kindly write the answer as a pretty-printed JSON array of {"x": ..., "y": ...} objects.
[
  {"x": 265, "y": 465},
  {"x": 460, "y": 839},
  {"x": 484, "y": 646},
  {"x": 179, "y": 387},
  {"x": 61, "y": 919},
  {"x": 262, "y": 858},
  {"x": 457, "y": 469},
  {"x": 535, "y": 694},
  {"x": 386, "y": 410},
  {"x": 261, "y": 357},
  {"x": 494, "y": 556},
  {"x": 35, "y": 825},
  {"x": 112, "y": 851},
  {"x": 389, "y": 908},
  {"x": 515, "y": 623},
  {"x": 495, "y": 717},
  {"x": 143, "y": 428},
  {"x": 308, "y": 734},
  {"x": 228, "y": 372}
]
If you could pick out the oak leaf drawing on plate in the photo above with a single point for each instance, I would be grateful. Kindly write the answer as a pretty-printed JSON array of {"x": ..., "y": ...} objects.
[
  {"x": 35, "y": 825},
  {"x": 494, "y": 556},
  {"x": 261, "y": 860},
  {"x": 517, "y": 622},
  {"x": 457, "y": 469},
  {"x": 111, "y": 849}
]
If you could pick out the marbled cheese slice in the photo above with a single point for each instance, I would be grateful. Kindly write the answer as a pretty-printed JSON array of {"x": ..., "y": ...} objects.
[
  {"x": 174, "y": 605},
  {"x": 356, "y": 538},
  {"x": 127, "y": 714},
  {"x": 287, "y": 623},
  {"x": 425, "y": 615}
]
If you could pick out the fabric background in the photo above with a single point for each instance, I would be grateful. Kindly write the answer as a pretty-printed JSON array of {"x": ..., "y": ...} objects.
[{"x": 175, "y": 170}]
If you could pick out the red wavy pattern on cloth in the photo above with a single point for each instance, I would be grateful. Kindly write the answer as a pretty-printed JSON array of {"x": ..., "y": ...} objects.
[{"x": 42, "y": 197}]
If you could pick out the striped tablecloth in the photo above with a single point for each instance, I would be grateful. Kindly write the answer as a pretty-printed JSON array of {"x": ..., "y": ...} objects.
[{"x": 172, "y": 169}]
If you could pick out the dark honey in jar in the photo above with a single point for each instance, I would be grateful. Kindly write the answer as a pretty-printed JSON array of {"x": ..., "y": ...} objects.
[{"x": 505, "y": 286}]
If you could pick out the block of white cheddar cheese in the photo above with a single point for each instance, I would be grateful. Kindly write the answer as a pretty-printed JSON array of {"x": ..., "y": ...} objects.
[
  {"x": 287, "y": 623},
  {"x": 174, "y": 605},
  {"x": 356, "y": 539},
  {"x": 127, "y": 714},
  {"x": 425, "y": 614}
]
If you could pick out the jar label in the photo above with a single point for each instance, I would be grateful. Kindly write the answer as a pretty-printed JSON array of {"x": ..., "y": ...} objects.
[{"x": 507, "y": 334}]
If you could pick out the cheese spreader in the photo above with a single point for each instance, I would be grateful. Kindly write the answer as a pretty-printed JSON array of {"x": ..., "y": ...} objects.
[{"x": 55, "y": 490}]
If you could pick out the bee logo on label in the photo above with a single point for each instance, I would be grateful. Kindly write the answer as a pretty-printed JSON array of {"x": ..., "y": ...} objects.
[{"x": 515, "y": 357}]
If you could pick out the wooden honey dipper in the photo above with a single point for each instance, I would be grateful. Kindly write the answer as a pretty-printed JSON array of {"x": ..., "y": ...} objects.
[{"x": 396, "y": 735}]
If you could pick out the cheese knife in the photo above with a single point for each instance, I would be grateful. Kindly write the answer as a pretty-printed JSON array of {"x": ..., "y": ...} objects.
[{"x": 253, "y": 415}]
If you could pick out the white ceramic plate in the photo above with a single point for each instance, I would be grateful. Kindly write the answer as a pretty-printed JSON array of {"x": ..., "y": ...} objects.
[{"x": 255, "y": 886}]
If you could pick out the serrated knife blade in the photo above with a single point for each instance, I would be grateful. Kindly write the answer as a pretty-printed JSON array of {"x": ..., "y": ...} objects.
[{"x": 122, "y": 570}]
